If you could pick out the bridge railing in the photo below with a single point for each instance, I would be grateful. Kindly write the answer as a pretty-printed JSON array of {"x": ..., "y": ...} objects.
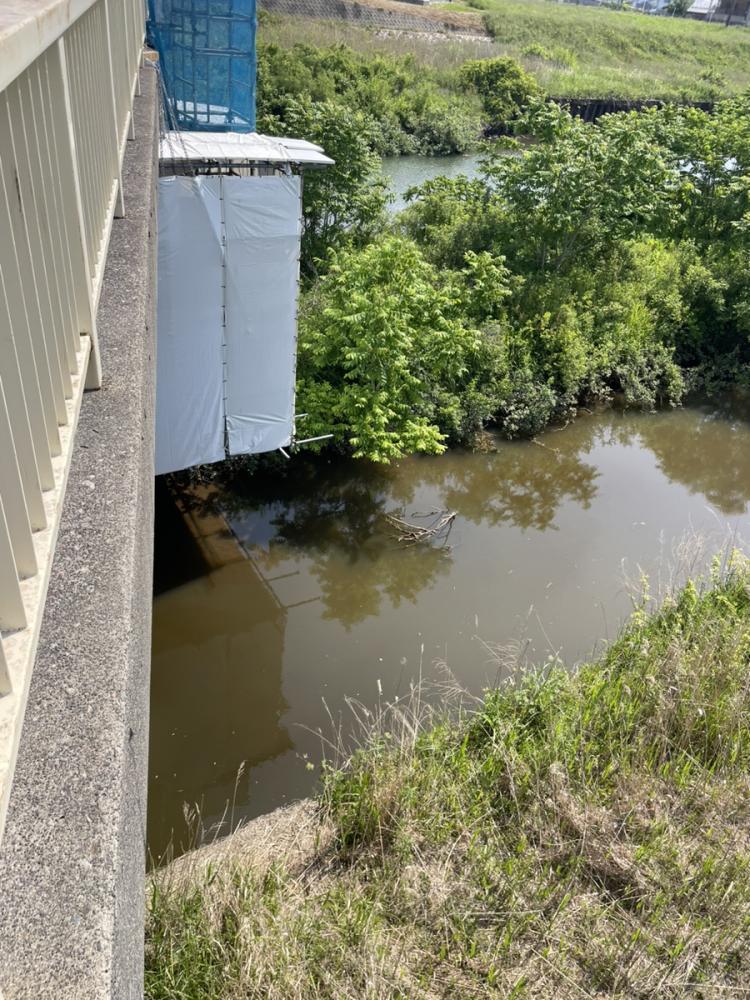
[{"x": 68, "y": 76}]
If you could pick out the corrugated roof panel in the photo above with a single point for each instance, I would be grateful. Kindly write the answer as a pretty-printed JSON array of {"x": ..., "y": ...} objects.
[{"x": 239, "y": 148}]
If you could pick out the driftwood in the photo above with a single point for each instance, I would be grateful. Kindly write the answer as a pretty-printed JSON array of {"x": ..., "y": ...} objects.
[{"x": 437, "y": 526}]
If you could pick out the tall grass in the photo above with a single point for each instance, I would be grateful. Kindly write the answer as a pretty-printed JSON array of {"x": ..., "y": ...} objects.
[
  {"x": 439, "y": 52},
  {"x": 595, "y": 52},
  {"x": 581, "y": 835},
  {"x": 572, "y": 51}
]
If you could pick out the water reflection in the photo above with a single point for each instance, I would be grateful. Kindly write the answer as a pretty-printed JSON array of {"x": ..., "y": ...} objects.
[
  {"x": 311, "y": 597},
  {"x": 343, "y": 524},
  {"x": 339, "y": 518},
  {"x": 215, "y": 702},
  {"x": 708, "y": 454},
  {"x": 522, "y": 484}
]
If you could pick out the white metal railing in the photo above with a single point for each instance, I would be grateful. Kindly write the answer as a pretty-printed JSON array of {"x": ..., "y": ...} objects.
[{"x": 68, "y": 75}]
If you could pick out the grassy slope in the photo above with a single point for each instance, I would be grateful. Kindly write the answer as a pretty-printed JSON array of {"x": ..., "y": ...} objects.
[
  {"x": 590, "y": 52},
  {"x": 571, "y": 837},
  {"x": 622, "y": 54},
  {"x": 435, "y": 51}
]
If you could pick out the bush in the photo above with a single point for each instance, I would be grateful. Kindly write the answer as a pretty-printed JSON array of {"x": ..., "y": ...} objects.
[
  {"x": 503, "y": 86},
  {"x": 409, "y": 108},
  {"x": 440, "y": 129},
  {"x": 383, "y": 353},
  {"x": 603, "y": 260}
]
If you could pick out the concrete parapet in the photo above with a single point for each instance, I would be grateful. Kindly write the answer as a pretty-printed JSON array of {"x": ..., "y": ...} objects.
[{"x": 72, "y": 859}]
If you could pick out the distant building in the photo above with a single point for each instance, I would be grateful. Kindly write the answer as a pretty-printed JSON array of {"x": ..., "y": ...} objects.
[
  {"x": 722, "y": 11},
  {"x": 650, "y": 6}
]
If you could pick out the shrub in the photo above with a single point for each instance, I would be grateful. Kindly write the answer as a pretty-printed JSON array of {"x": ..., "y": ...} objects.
[
  {"x": 383, "y": 354},
  {"x": 503, "y": 86}
]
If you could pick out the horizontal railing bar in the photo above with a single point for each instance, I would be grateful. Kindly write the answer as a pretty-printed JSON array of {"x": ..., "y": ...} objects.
[{"x": 29, "y": 27}]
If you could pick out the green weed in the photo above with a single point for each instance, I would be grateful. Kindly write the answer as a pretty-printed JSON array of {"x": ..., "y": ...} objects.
[{"x": 573, "y": 834}]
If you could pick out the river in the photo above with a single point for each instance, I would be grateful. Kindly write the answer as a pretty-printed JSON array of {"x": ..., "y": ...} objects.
[
  {"x": 404, "y": 172},
  {"x": 256, "y": 648}
]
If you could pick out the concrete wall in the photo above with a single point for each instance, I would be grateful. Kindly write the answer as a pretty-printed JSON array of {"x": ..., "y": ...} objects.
[
  {"x": 363, "y": 15},
  {"x": 73, "y": 855}
]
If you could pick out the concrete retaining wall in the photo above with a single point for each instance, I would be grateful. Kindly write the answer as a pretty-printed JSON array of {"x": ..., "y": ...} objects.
[
  {"x": 363, "y": 15},
  {"x": 72, "y": 860}
]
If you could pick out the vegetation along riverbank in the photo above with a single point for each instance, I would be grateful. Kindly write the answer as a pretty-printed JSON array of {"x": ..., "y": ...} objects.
[
  {"x": 566, "y": 836},
  {"x": 598, "y": 260},
  {"x": 607, "y": 258},
  {"x": 571, "y": 51}
]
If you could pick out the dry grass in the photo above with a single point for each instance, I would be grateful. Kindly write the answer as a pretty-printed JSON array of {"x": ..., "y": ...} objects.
[
  {"x": 440, "y": 52},
  {"x": 567, "y": 837},
  {"x": 572, "y": 51},
  {"x": 595, "y": 52}
]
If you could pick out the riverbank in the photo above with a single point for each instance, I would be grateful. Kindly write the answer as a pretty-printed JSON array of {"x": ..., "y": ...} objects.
[
  {"x": 572, "y": 51},
  {"x": 577, "y": 51},
  {"x": 566, "y": 836}
]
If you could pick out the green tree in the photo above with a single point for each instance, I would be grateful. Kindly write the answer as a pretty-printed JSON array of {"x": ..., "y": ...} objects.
[
  {"x": 343, "y": 204},
  {"x": 383, "y": 354},
  {"x": 413, "y": 108},
  {"x": 580, "y": 190},
  {"x": 678, "y": 8},
  {"x": 603, "y": 259}
]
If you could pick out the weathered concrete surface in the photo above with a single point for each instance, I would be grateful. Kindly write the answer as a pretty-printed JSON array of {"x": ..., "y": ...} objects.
[{"x": 72, "y": 858}]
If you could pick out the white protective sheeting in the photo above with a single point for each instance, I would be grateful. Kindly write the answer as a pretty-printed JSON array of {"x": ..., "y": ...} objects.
[
  {"x": 263, "y": 232},
  {"x": 227, "y": 306},
  {"x": 189, "y": 364}
]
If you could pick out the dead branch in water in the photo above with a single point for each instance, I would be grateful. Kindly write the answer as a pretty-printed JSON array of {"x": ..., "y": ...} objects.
[{"x": 437, "y": 529}]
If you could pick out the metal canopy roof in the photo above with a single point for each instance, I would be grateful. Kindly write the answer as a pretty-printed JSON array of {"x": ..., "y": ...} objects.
[{"x": 239, "y": 148}]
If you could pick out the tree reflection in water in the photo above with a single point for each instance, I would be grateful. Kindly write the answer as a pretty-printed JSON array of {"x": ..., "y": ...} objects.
[
  {"x": 332, "y": 511},
  {"x": 235, "y": 670},
  {"x": 522, "y": 484},
  {"x": 336, "y": 518},
  {"x": 705, "y": 450}
]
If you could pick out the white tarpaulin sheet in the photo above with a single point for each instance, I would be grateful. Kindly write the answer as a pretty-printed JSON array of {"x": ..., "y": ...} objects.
[
  {"x": 189, "y": 364},
  {"x": 228, "y": 275},
  {"x": 262, "y": 269}
]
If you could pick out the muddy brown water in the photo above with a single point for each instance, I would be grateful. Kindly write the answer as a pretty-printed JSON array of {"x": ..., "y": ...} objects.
[{"x": 259, "y": 637}]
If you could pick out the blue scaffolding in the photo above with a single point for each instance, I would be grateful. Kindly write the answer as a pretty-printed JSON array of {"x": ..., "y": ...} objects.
[{"x": 207, "y": 58}]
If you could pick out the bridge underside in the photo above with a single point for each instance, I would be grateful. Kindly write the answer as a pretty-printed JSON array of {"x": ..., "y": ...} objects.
[{"x": 73, "y": 855}]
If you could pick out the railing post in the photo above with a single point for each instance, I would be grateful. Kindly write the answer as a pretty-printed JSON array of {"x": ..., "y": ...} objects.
[
  {"x": 68, "y": 167},
  {"x": 120, "y": 206},
  {"x": 30, "y": 223},
  {"x": 5, "y": 687},
  {"x": 17, "y": 233},
  {"x": 12, "y": 381},
  {"x": 39, "y": 405},
  {"x": 12, "y": 611},
  {"x": 14, "y": 501}
]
